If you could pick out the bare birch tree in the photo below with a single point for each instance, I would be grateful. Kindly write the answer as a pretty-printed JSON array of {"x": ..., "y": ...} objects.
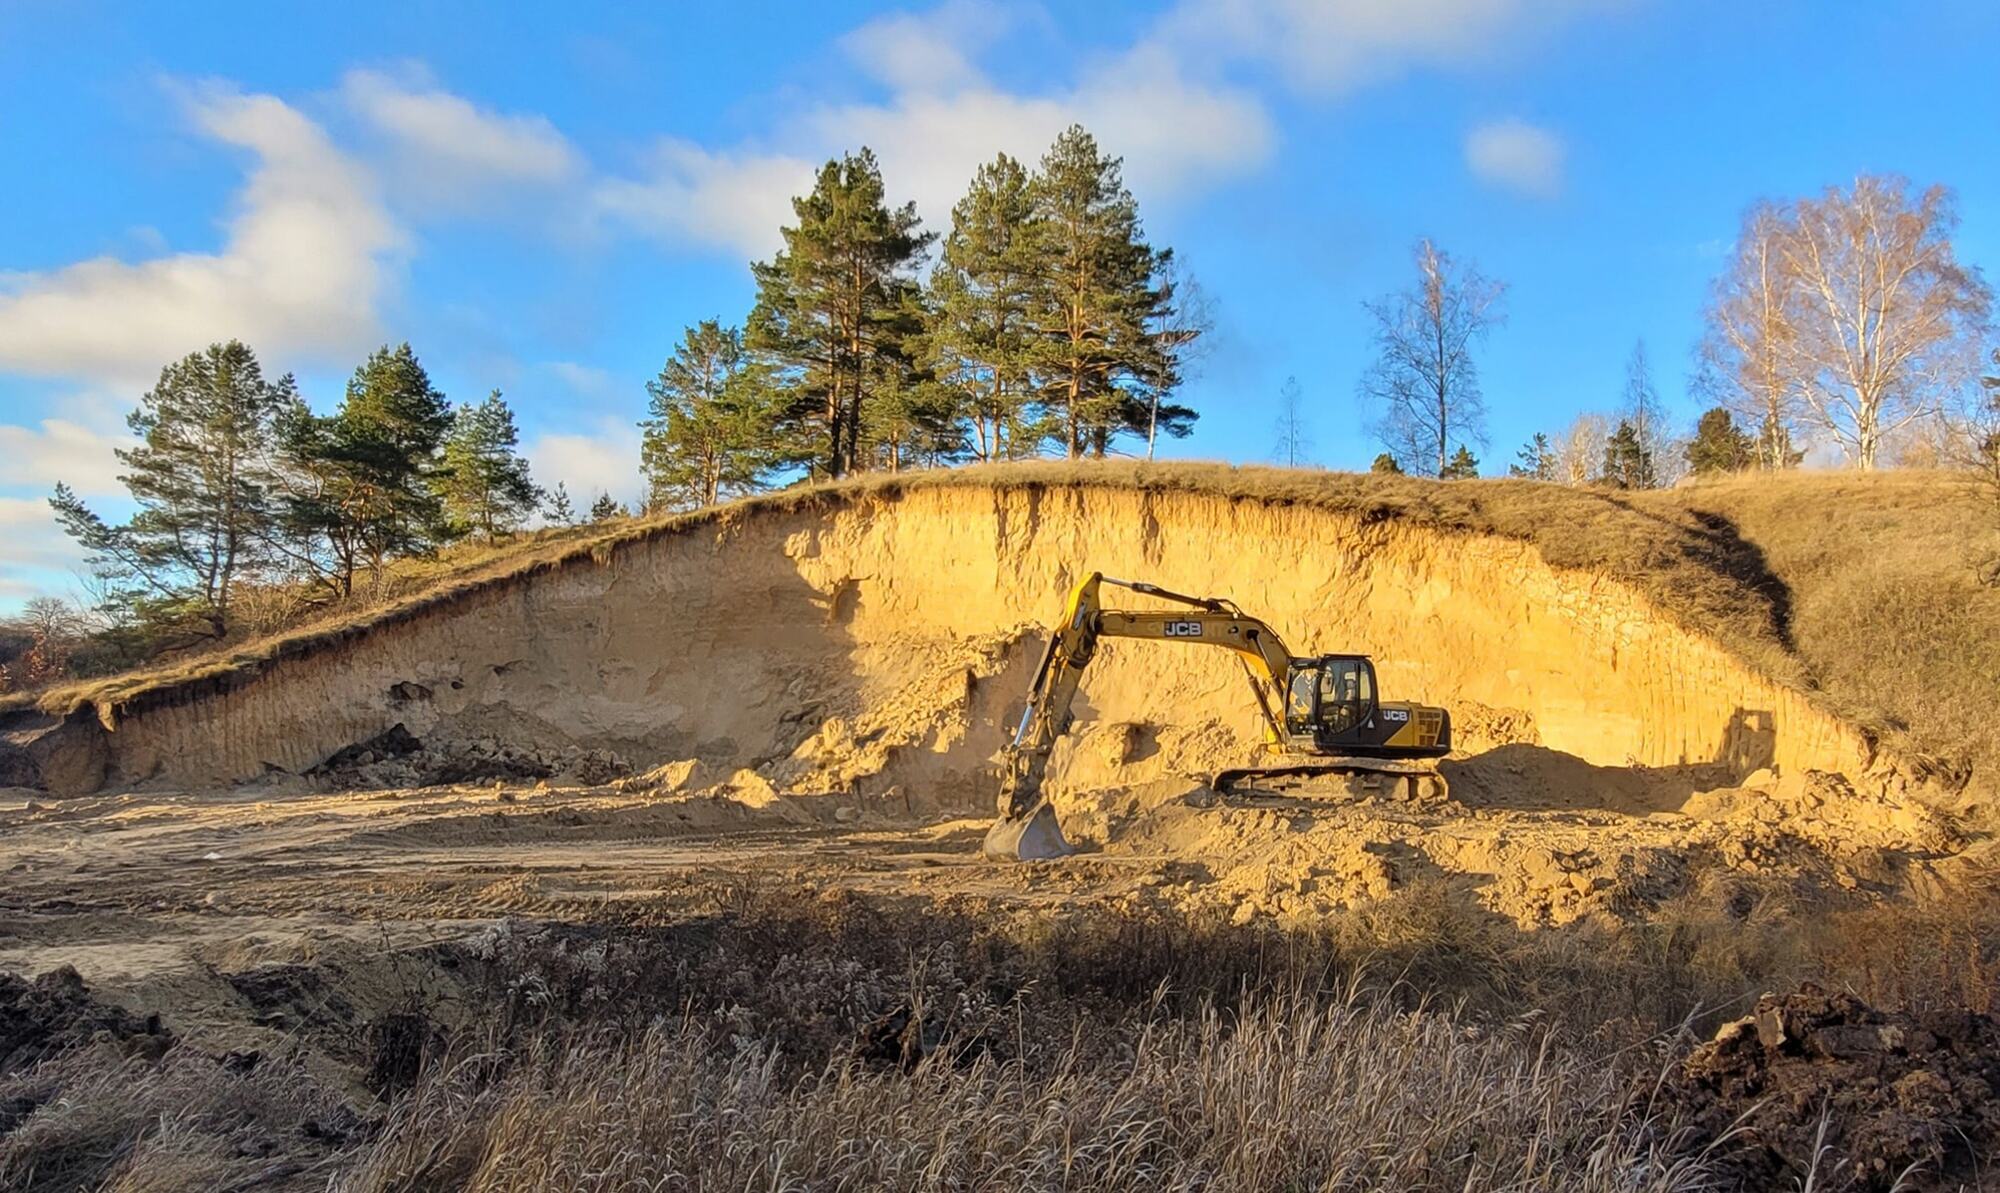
[
  {"x": 1424, "y": 378},
  {"x": 1748, "y": 346},
  {"x": 1580, "y": 450},
  {"x": 1888, "y": 321},
  {"x": 1643, "y": 408},
  {"x": 1294, "y": 444}
]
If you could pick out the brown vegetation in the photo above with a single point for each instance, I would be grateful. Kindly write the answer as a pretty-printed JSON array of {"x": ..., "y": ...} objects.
[{"x": 837, "y": 1042}]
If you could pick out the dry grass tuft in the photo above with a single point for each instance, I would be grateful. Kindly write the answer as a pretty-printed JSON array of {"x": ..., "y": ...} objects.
[
  {"x": 786, "y": 1040},
  {"x": 1357, "y": 1094}
]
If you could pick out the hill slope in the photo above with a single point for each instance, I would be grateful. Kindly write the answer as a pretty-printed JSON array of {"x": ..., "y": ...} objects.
[{"x": 1652, "y": 627}]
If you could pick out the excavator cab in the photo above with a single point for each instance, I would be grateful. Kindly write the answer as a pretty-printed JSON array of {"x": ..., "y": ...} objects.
[
  {"x": 1333, "y": 706},
  {"x": 1329, "y": 697}
]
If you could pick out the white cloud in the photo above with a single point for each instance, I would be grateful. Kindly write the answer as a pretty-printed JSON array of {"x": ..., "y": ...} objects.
[
  {"x": 588, "y": 380},
  {"x": 690, "y": 196},
  {"x": 39, "y": 558},
  {"x": 926, "y": 51},
  {"x": 448, "y": 150},
  {"x": 1177, "y": 136},
  {"x": 303, "y": 266},
  {"x": 1332, "y": 46},
  {"x": 1518, "y": 156},
  {"x": 60, "y": 450},
  {"x": 605, "y": 459}
]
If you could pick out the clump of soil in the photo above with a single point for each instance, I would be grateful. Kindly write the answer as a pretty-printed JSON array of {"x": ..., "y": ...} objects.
[
  {"x": 1869, "y": 1100},
  {"x": 398, "y": 758},
  {"x": 55, "y": 1012}
]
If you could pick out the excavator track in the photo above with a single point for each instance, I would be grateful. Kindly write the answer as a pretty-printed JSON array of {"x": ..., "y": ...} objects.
[{"x": 1418, "y": 779}]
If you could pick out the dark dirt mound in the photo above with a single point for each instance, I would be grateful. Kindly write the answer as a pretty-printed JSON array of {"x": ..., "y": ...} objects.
[
  {"x": 1876, "y": 1098},
  {"x": 398, "y": 758},
  {"x": 55, "y": 1012}
]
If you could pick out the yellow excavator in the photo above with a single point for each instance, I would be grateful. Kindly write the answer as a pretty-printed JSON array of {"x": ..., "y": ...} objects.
[{"x": 1322, "y": 715}]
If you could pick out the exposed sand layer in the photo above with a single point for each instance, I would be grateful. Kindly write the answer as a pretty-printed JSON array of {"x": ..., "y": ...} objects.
[{"x": 874, "y": 640}]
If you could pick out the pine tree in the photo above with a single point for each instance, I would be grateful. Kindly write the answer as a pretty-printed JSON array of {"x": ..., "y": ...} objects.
[
  {"x": 1627, "y": 463},
  {"x": 558, "y": 509},
  {"x": 1385, "y": 464},
  {"x": 606, "y": 508},
  {"x": 712, "y": 428},
  {"x": 1093, "y": 352},
  {"x": 483, "y": 480},
  {"x": 836, "y": 304},
  {"x": 982, "y": 297},
  {"x": 913, "y": 419},
  {"x": 201, "y": 478},
  {"x": 359, "y": 484},
  {"x": 1537, "y": 460},
  {"x": 1463, "y": 465},
  {"x": 1719, "y": 445}
]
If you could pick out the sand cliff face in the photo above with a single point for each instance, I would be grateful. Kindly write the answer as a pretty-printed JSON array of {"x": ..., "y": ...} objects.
[{"x": 885, "y": 640}]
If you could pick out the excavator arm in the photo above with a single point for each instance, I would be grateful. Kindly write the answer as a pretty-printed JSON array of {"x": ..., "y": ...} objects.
[{"x": 1027, "y": 828}]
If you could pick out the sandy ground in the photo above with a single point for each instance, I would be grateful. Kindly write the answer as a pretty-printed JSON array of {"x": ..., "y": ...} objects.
[{"x": 154, "y": 898}]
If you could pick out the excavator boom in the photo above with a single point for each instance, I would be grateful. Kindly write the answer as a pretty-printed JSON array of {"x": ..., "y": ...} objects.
[{"x": 1302, "y": 706}]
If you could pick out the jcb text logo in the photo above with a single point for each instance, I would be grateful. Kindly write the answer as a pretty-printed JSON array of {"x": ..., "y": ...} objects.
[{"x": 1183, "y": 629}]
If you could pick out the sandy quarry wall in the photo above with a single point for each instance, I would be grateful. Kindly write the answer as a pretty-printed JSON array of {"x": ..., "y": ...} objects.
[{"x": 736, "y": 641}]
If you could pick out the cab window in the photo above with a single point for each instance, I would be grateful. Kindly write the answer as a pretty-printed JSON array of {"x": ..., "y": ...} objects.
[
  {"x": 1346, "y": 691},
  {"x": 1299, "y": 703}
]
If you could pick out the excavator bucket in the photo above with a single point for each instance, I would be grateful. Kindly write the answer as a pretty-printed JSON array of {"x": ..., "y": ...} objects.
[{"x": 1032, "y": 838}]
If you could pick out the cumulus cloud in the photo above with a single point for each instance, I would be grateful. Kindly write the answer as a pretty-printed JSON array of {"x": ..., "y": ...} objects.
[
  {"x": 61, "y": 450},
  {"x": 686, "y": 195},
  {"x": 1518, "y": 156},
  {"x": 928, "y": 51},
  {"x": 305, "y": 260},
  {"x": 447, "y": 149},
  {"x": 1332, "y": 46},
  {"x": 604, "y": 458},
  {"x": 1177, "y": 134},
  {"x": 39, "y": 558}
]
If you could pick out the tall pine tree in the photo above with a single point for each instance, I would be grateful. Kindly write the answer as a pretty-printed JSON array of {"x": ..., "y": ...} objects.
[
  {"x": 482, "y": 479},
  {"x": 982, "y": 299},
  {"x": 710, "y": 434},
  {"x": 837, "y": 305},
  {"x": 200, "y": 477},
  {"x": 359, "y": 483},
  {"x": 1094, "y": 354}
]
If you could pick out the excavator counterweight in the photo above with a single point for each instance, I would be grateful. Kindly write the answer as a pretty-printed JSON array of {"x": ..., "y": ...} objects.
[{"x": 1322, "y": 714}]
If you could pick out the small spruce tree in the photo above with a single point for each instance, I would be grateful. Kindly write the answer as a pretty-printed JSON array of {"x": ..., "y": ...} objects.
[
  {"x": 1462, "y": 466},
  {"x": 1719, "y": 445},
  {"x": 1627, "y": 463},
  {"x": 557, "y": 509}
]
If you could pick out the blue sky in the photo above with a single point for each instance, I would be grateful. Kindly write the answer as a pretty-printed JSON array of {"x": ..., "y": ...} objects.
[{"x": 539, "y": 197}]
